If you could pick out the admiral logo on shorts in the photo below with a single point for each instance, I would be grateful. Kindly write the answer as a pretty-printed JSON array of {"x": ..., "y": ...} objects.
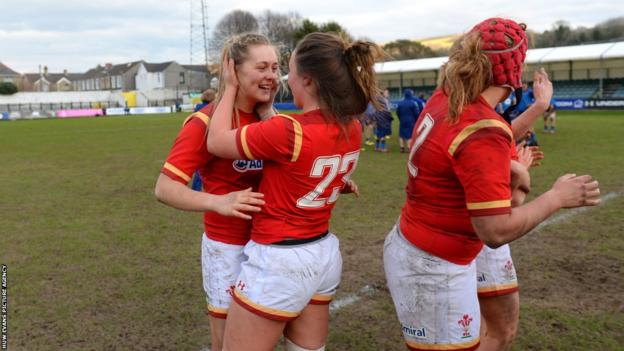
[
  {"x": 247, "y": 165},
  {"x": 418, "y": 333},
  {"x": 481, "y": 278},
  {"x": 464, "y": 323}
]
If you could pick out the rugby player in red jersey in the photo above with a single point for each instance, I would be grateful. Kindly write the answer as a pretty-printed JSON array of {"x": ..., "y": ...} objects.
[
  {"x": 459, "y": 193},
  {"x": 229, "y": 196},
  {"x": 294, "y": 263}
]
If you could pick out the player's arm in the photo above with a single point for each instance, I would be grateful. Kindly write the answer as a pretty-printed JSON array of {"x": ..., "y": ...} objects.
[
  {"x": 543, "y": 91},
  {"x": 568, "y": 191},
  {"x": 221, "y": 137},
  {"x": 178, "y": 195},
  {"x": 520, "y": 183}
]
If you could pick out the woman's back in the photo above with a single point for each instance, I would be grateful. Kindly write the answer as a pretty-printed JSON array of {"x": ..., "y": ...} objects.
[
  {"x": 307, "y": 161},
  {"x": 455, "y": 171}
]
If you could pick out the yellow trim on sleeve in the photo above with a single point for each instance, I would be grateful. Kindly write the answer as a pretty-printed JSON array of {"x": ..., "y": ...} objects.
[
  {"x": 459, "y": 346},
  {"x": 168, "y": 166},
  {"x": 488, "y": 204},
  {"x": 264, "y": 309},
  {"x": 469, "y": 130},
  {"x": 298, "y": 137},
  {"x": 243, "y": 136},
  {"x": 204, "y": 117}
]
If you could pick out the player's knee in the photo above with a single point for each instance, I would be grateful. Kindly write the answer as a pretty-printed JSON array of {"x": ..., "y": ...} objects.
[{"x": 291, "y": 346}]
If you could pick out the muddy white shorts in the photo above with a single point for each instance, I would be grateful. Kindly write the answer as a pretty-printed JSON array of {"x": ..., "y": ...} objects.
[
  {"x": 221, "y": 265},
  {"x": 435, "y": 300},
  {"x": 496, "y": 274},
  {"x": 277, "y": 282}
]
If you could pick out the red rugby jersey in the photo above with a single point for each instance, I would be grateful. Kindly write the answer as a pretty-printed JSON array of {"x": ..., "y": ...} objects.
[
  {"x": 306, "y": 163},
  {"x": 219, "y": 176},
  {"x": 456, "y": 171}
]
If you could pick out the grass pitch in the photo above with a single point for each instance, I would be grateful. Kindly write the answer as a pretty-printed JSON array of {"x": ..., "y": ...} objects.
[{"x": 96, "y": 263}]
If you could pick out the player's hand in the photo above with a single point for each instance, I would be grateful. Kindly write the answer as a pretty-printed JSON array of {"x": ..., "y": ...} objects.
[
  {"x": 235, "y": 203},
  {"x": 229, "y": 74},
  {"x": 525, "y": 156},
  {"x": 542, "y": 88},
  {"x": 351, "y": 188},
  {"x": 537, "y": 154},
  {"x": 575, "y": 191}
]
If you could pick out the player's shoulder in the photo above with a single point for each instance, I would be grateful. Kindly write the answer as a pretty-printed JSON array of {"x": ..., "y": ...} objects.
[
  {"x": 478, "y": 125},
  {"x": 201, "y": 117}
]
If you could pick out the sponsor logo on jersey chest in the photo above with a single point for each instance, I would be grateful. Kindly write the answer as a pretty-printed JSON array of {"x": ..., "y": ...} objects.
[{"x": 247, "y": 165}]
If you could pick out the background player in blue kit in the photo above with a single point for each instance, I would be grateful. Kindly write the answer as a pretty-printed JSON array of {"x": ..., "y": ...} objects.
[{"x": 407, "y": 110}]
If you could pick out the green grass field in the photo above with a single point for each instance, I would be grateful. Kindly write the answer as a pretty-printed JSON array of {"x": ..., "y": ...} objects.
[{"x": 96, "y": 263}]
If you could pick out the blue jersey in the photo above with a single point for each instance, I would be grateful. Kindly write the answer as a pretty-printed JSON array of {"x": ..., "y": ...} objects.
[{"x": 527, "y": 100}]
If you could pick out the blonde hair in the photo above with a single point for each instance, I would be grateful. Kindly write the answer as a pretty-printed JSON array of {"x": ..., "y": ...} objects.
[
  {"x": 343, "y": 73},
  {"x": 466, "y": 75}
]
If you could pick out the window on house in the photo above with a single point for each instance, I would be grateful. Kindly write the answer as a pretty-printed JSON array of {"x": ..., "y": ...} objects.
[{"x": 181, "y": 77}]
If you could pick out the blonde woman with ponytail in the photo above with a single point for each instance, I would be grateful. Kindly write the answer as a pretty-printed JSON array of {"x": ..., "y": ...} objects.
[
  {"x": 459, "y": 192},
  {"x": 229, "y": 195},
  {"x": 294, "y": 263}
]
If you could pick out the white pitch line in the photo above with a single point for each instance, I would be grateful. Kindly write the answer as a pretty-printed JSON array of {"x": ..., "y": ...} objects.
[
  {"x": 350, "y": 299},
  {"x": 571, "y": 213}
]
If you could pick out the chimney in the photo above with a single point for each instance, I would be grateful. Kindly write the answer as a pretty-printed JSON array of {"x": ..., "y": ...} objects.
[
  {"x": 108, "y": 66},
  {"x": 45, "y": 70},
  {"x": 65, "y": 72}
]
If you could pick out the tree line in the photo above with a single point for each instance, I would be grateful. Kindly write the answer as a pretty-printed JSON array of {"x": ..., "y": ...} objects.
[{"x": 286, "y": 29}]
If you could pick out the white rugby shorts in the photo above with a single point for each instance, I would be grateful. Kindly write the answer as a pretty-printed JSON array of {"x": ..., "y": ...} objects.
[
  {"x": 496, "y": 274},
  {"x": 435, "y": 300},
  {"x": 278, "y": 282},
  {"x": 221, "y": 264}
]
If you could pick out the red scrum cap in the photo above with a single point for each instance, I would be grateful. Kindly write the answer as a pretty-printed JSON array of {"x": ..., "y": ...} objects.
[{"x": 505, "y": 43}]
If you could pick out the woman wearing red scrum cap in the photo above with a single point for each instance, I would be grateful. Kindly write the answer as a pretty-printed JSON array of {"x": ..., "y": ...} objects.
[
  {"x": 227, "y": 199},
  {"x": 459, "y": 192}
]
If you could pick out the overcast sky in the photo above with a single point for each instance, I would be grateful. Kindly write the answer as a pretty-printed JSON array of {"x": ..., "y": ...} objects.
[{"x": 78, "y": 34}]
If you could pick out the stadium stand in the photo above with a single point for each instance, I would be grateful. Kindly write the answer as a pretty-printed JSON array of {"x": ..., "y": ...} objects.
[
  {"x": 584, "y": 88},
  {"x": 594, "y": 71}
]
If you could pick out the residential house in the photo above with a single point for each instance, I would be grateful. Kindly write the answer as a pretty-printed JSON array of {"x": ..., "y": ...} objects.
[
  {"x": 46, "y": 81},
  {"x": 109, "y": 77}
]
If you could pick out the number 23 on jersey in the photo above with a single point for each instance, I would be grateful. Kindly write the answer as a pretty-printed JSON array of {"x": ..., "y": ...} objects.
[{"x": 338, "y": 165}]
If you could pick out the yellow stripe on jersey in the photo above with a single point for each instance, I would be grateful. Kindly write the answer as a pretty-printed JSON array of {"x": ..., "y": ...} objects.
[
  {"x": 168, "y": 166},
  {"x": 488, "y": 204},
  {"x": 469, "y": 130},
  {"x": 459, "y": 346},
  {"x": 204, "y": 117},
  {"x": 246, "y": 150},
  {"x": 298, "y": 137},
  {"x": 264, "y": 309}
]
